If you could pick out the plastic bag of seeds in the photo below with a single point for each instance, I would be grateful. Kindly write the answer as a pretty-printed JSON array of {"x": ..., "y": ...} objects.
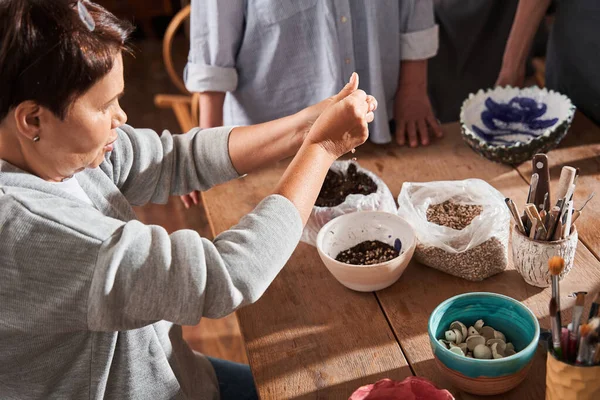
[
  {"x": 462, "y": 227},
  {"x": 347, "y": 188}
]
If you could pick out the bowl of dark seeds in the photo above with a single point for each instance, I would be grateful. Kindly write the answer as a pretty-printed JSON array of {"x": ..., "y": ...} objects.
[{"x": 368, "y": 250}]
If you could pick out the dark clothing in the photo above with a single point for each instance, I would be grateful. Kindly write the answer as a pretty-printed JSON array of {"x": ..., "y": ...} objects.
[{"x": 573, "y": 58}]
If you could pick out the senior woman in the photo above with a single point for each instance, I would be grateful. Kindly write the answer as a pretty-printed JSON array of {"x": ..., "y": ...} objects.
[{"x": 92, "y": 300}]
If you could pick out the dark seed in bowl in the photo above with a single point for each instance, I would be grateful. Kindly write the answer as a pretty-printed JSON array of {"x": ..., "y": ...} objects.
[{"x": 369, "y": 252}]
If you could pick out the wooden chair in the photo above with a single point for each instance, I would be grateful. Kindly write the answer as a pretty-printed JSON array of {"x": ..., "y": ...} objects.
[{"x": 185, "y": 106}]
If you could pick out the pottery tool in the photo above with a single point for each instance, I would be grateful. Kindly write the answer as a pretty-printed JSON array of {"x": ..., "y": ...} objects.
[
  {"x": 577, "y": 213},
  {"x": 595, "y": 307},
  {"x": 568, "y": 219},
  {"x": 551, "y": 222},
  {"x": 512, "y": 207},
  {"x": 555, "y": 329},
  {"x": 567, "y": 177},
  {"x": 558, "y": 231},
  {"x": 574, "y": 332},
  {"x": 556, "y": 265},
  {"x": 533, "y": 229},
  {"x": 533, "y": 215},
  {"x": 530, "y": 198},
  {"x": 552, "y": 229},
  {"x": 583, "y": 350},
  {"x": 540, "y": 167}
]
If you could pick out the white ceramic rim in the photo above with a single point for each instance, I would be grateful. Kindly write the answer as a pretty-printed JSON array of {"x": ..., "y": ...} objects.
[{"x": 326, "y": 228}]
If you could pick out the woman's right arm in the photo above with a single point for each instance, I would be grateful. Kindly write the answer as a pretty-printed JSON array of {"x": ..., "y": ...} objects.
[{"x": 527, "y": 20}]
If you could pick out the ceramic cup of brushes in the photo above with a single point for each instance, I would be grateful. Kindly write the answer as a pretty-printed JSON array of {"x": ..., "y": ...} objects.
[
  {"x": 546, "y": 228},
  {"x": 573, "y": 364}
]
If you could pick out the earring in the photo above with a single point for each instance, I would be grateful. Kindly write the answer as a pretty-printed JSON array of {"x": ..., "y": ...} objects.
[{"x": 36, "y": 139}]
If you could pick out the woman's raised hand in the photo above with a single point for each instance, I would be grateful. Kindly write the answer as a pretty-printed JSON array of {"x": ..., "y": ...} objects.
[{"x": 343, "y": 124}]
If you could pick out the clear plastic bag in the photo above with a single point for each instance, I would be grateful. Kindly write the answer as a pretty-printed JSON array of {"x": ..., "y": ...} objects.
[
  {"x": 381, "y": 200},
  {"x": 476, "y": 252}
]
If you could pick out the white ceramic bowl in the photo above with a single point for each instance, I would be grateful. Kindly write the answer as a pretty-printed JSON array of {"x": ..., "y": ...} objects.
[
  {"x": 510, "y": 125},
  {"x": 348, "y": 230}
]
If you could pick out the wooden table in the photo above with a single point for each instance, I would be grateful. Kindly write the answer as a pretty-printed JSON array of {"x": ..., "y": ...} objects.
[{"x": 310, "y": 337}]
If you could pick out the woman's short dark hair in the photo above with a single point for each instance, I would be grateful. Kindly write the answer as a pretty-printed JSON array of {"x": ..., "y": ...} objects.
[{"x": 50, "y": 56}]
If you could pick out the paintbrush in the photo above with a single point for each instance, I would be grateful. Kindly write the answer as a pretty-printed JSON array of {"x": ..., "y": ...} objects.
[
  {"x": 555, "y": 329},
  {"x": 595, "y": 307},
  {"x": 556, "y": 265},
  {"x": 574, "y": 333},
  {"x": 584, "y": 350}
]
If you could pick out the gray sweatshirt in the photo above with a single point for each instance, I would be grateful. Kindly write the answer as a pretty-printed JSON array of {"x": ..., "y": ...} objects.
[{"x": 92, "y": 300}]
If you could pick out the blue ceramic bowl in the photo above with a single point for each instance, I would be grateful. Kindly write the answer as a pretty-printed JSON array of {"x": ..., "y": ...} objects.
[
  {"x": 509, "y": 316},
  {"x": 510, "y": 125}
]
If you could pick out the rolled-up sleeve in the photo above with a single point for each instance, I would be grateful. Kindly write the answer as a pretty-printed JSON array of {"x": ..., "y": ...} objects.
[
  {"x": 419, "y": 36},
  {"x": 216, "y": 32}
]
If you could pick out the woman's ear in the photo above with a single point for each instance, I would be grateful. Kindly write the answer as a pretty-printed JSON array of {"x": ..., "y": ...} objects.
[{"x": 28, "y": 119}]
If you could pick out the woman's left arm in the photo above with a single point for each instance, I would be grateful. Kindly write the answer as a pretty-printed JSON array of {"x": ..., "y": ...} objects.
[{"x": 150, "y": 168}]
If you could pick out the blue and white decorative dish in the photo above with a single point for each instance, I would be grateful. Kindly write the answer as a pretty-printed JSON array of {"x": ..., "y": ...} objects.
[{"x": 510, "y": 125}]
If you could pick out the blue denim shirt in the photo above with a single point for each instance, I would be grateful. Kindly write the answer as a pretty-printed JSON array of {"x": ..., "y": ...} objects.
[{"x": 277, "y": 57}]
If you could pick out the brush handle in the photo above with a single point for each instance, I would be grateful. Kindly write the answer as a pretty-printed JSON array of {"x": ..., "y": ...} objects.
[
  {"x": 567, "y": 177},
  {"x": 540, "y": 167},
  {"x": 582, "y": 352},
  {"x": 593, "y": 310},
  {"x": 556, "y": 338}
]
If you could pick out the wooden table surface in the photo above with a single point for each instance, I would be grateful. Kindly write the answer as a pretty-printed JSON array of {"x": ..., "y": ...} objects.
[{"x": 310, "y": 337}]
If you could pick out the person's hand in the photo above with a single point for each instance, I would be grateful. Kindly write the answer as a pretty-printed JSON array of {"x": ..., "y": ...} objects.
[
  {"x": 414, "y": 117},
  {"x": 191, "y": 199},
  {"x": 514, "y": 77},
  {"x": 311, "y": 113},
  {"x": 342, "y": 126}
]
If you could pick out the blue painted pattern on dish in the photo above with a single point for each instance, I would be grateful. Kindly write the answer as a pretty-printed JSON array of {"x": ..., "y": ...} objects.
[{"x": 519, "y": 120}]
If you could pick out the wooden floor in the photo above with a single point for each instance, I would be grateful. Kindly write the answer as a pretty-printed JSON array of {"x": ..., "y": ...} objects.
[{"x": 145, "y": 77}]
